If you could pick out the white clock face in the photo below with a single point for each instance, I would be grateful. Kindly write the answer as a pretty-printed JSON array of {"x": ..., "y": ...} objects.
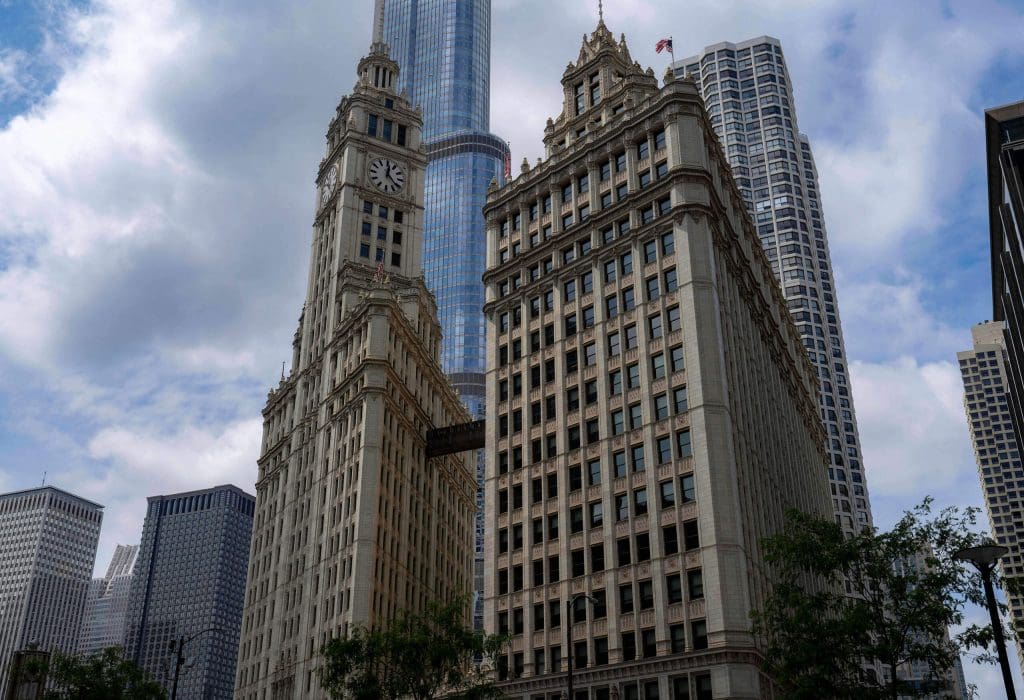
[
  {"x": 329, "y": 182},
  {"x": 387, "y": 175}
]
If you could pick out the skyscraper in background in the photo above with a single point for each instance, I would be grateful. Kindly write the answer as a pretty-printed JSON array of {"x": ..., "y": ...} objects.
[
  {"x": 985, "y": 372},
  {"x": 106, "y": 606},
  {"x": 48, "y": 541},
  {"x": 443, "y": 48},
  {"x": 748, "y": 93},
  {"x": 1004, "y": 151},
  {"x": 189, "y": 583}
]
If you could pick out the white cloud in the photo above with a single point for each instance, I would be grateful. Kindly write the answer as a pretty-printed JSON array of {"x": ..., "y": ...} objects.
[
  {"x": 914, "y": 434},
  {"x": 12, "y": 74},
  {"x": 884, "y": 319}
]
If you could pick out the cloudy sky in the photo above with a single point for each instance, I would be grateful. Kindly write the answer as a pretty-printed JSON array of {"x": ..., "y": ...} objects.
[{"x": 156, "y": 193}]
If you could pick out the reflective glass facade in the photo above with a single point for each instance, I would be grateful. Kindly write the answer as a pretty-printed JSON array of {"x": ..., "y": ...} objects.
[
  {"x": 443, "y": 49},
  {"x": 749, "y": 98}
]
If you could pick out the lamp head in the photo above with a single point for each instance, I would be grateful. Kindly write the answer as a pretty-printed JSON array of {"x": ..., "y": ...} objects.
[{"x": 983, "y": 556}]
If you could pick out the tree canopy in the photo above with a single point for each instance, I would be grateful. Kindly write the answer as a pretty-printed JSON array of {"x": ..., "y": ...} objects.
[
  {"x": 106, "y": 675},
  {"x": 418, "y": 655},
  {"x": 844, "y": 607}
]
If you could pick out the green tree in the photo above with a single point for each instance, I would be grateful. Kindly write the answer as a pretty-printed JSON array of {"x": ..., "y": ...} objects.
[
  {"x": 840, "y": 602},
  {"x": 418, "y": 655},
  {"x": 106, "y": 675}
]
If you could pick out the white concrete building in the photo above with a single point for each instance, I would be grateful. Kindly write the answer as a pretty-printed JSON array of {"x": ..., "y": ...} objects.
[
  {"x": 986, "y": 400},
  {"x": 48, "y": 541},
  {"x": 651, "y": 409},
  {"x": 353, "y": 522}
]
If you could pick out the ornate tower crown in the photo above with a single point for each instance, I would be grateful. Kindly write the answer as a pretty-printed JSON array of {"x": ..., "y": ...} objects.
[{"x": 597, "y": 87}]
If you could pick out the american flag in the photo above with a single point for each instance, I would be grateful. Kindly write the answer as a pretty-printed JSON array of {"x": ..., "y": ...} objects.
[
  {"x": 508, "y": 164},
  {"x": 662, "y": 45},
  {"x": 378, "y": 277}
]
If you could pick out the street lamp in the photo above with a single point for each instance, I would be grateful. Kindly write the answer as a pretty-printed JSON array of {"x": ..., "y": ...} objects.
[
  {"x": 984, "y": 559},
  {"x": 569, "y": 605},
  {"x": 179, "y": 659}
]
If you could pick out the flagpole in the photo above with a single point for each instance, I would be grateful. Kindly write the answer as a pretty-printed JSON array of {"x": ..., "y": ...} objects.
[{"x": 672, "y": 51}]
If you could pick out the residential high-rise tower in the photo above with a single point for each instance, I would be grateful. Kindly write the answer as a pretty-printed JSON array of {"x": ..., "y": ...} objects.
[
  {"x": 48, "y": 541},
  {"x": 354, "y": 523},
  {"x": 1004, "y": 146},
  {"x": 985, "y": 372},
  {"x": 188, "y": 585},
  {"x": 106, "y": 606},
  {"x": 749, "y": 98},
  {"x": 653, "y": 410},
  {"x": 443, "y": 48}
]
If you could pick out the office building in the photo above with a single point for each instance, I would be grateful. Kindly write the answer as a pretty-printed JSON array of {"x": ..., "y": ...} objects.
[
  {"x": 654, "y": 410},
  {"x": 749, "y": 97},
  {"x": 443, "y": 48},
  {"x": 985, "y": 372},
  {"x": 106, "y": 605},
  {"x": 1004, "y": 145},
  {"x": 188, "y": 584},
  {"x": 48, "y": 541},
  {"x": 354, "y": 523}
]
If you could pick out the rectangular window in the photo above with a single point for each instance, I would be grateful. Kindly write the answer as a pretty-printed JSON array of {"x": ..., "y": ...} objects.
[
  {"x": 668, "y": 494},
  {"x": 691, "y": 536},
  {"x": 640, "y": 501},
  {"x": 678, "y": 360},
  {"x": 687, "y": 490},
  {"x": 674, "y": 321},
  {"x": 619, "y": 464},
  {"x": 637, "y": 452},
  {"x": 670, "y": 539},
  {"x": 643, "y": 547},
  {"x": 683, "y": 444},
  {"x": 646, "y": 590},
  {"x": 695, "y": 584},
  {"x": 658, "y": 366},
  {"x": 654, "y": 329},
  {"x": 622, "y": 507},
  {"x": 625, "y": 593},
  {"x": 680, "y": 400},
  {"x": 371, "y": 124}
]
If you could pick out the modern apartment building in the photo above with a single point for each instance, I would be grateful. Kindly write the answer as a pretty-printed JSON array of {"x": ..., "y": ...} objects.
[
  {"x": 443, "y": 48},
  {"x": 654, "y": 412},
  {"x": 188, "y": 586},
  {"x": 985, "y": 372},
  {"x": 749, "y": 97},
  {"x": 1004, "y": 145},
  {"x": 48, "y": 541},
  {"x": 106, "y": 605},
  {"x": 354, "y": 523}
]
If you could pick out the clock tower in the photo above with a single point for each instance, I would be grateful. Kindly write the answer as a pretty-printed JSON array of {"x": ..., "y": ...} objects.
[{"x": 353, "y": 522}]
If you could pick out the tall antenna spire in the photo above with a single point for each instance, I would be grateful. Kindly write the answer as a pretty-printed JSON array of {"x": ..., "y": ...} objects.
[
  {"x": 378, "y": 22},
  {"x": 600, "y": 10}
]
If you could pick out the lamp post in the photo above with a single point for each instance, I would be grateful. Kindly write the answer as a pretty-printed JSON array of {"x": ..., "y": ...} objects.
[
  {"x": 179, "y": 658},
  {"x": 569, "y": 605},
  {"x": 984, "y": 559}
]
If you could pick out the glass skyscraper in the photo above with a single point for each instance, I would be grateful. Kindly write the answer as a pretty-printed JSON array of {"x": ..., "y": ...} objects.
[
  {"x": 443, "y": 48},
  {"x": 749, "y": 97}
]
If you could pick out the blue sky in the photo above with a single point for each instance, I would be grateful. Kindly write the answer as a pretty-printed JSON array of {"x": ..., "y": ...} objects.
[{"x": 156, "y": 193}]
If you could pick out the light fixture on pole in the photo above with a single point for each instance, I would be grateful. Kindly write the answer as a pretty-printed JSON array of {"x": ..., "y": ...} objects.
[{"x": 984, "y": 558}]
